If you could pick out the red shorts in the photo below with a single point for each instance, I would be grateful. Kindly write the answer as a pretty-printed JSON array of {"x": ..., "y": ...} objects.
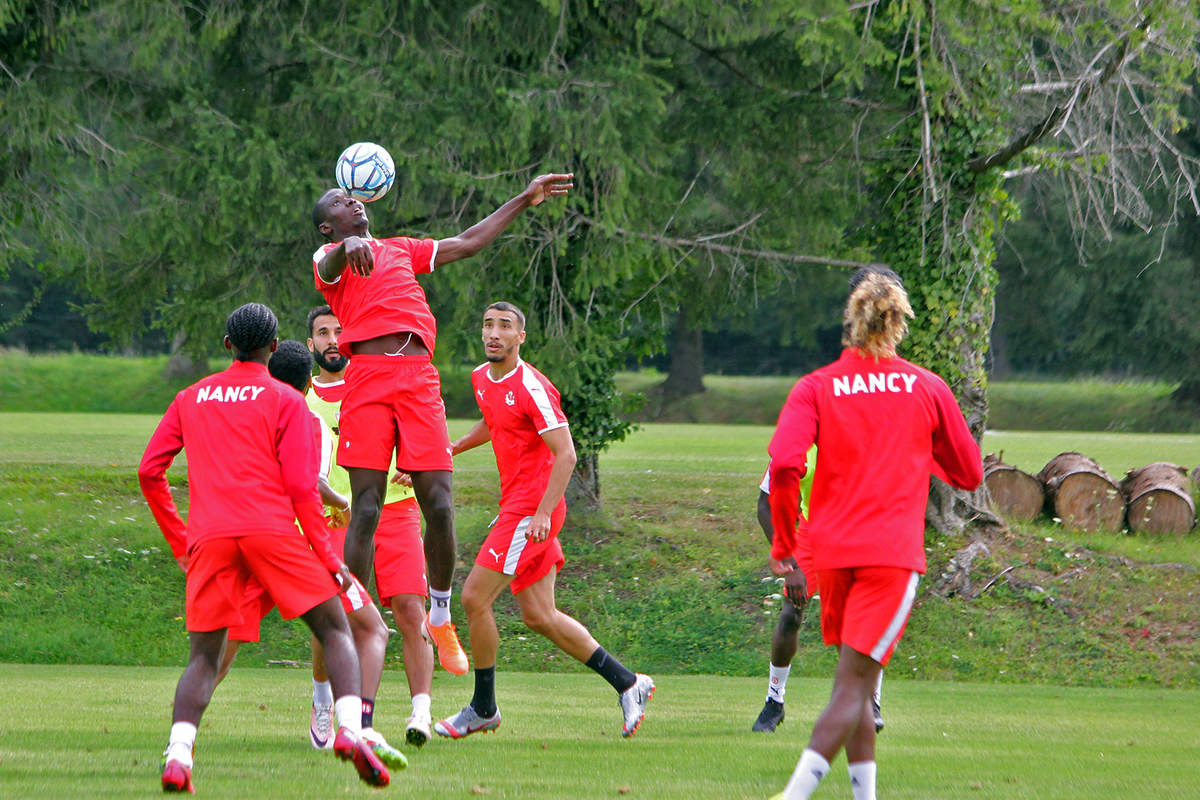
[
  {"x": 866, "y": 608},
  {"x": 256, "y": 603},
  {"x": 393, "y": 404},
  {"x": 507, "y": 550},
  {"x": 220, "y": 569},
  {"x": 400, "y": 552}
]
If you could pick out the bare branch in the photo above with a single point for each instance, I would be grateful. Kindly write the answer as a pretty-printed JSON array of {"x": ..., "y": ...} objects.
[
  {"x": 706, "y": 243},
  {"x": 1086, "y": 84}
]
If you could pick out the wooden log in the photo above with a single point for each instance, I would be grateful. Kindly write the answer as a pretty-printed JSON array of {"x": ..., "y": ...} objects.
[
  {"x": 1081, "y": 494},
  {"x": 1016, "y": 495},
  {"x": 1160, "y": 499}
]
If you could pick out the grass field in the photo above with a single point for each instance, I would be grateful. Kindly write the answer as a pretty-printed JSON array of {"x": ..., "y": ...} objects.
[{"x": 560, "y": 739}]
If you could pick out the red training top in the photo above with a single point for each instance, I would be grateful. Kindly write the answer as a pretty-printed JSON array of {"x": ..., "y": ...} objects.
[
  {"x": 880, "y": 426},
  {"x": 389, "y": 300},
  {"x": 252, "y": 462},
  {"x": 518, "y": 408}
]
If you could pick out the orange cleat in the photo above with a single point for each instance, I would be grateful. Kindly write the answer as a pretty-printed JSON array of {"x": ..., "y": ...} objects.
[{"x": 449, "y": 651}]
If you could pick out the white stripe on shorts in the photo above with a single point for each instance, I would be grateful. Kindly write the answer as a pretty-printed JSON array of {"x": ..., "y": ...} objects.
[
  {"x": 357, "y": 596},
  {"x": 897, "y": 624},
  {"x": 516, "y": 546}
]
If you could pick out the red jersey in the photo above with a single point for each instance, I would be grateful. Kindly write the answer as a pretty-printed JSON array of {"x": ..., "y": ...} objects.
[
  {"x": 881, "y": 427},
  {"x": 518, "y": 409},
  {"x": 389, "y": 300},
  {"x": 252, "y": 461}
]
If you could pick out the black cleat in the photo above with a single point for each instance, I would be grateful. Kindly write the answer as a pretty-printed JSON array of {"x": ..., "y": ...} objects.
[
  {"x": 877, "y": 714},
  {"x": 770, "y": 716}
]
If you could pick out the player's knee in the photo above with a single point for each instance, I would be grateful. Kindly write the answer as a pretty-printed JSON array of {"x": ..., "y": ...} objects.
[
  {"x": 409, "y": 614},
  {"x": 475, "y": 602},
  {"x": 538, "y": 620}
]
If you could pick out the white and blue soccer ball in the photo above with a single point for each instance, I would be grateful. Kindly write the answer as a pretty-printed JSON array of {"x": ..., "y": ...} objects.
[{"x": 365, "y": 171}]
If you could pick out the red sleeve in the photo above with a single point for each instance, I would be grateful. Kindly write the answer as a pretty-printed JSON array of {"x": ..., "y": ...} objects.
[
  {"x": 164, "y": 445},
  {"x": 299, "y": 462},
  {"x": 954, "y": 448},
  {"x": 794, "y": 435}
]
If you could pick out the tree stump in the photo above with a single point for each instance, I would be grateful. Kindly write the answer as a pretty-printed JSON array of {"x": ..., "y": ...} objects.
[
  {"x": 1160, "y": 499},
  {"x": 1081, "y": 494},
  {"x": 1016, "y": 495}
]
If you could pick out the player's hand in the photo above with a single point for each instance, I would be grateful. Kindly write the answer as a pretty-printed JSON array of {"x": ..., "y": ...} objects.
[
  {"x": 795, "y": 588},
  {"x": 344, "y": 578},
  {"x": 339, "y": 517},
  {"x": 553, "y": 184},
  {"x": 402, "y": 479},
  {"x": 781, "y": 568},
  {"x": 359, "y": 257},
  {"x": 539, "y": 528},
  {"x": 182, "y": 561}
]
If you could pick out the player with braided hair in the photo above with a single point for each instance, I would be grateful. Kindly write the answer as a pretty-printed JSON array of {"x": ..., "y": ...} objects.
[
  {"x": 251, "y": 462},
  {"x": 882, "y": 425}
]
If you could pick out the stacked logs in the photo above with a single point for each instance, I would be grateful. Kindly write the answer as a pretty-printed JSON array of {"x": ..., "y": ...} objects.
[{"x": 1156, "y": 498}]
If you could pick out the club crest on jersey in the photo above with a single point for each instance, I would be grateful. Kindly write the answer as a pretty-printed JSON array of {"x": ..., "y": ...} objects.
[{"x": 509, "y": 399}]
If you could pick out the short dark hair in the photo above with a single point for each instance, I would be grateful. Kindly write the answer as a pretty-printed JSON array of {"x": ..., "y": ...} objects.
[
  {"x": 319, "y": 311},
  {"x": 504, "y": 306},
  {"x": 291, "y": 363},
  {"x": 251, "y": 327}
]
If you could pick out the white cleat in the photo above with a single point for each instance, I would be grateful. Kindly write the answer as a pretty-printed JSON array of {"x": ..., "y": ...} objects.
[{"x": 633, "y": 703}]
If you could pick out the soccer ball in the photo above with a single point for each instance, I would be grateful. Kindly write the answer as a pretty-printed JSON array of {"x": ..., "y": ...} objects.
[{"x": 365, "y": 171}]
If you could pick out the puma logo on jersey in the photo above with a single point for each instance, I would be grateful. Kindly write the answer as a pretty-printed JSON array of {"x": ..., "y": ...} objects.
[
  {"x": 227, "y": 394},
  {"x": 875, "y": 382},
  {"x": 495, "y": 555}
]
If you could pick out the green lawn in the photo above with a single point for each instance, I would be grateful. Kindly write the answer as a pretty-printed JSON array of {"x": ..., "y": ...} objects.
[{"x": 560, "y": 739}]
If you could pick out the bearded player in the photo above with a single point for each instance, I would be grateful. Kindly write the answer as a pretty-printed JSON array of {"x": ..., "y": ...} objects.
[
  {"x": 535, "y": 457},
  {"x": 393, "y": 400}
]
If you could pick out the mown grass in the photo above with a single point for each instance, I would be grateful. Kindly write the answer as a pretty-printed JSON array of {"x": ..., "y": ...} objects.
[
  {"x": 559, "y": 739},
  {"x": 113, "y": 384},
  {"x": 84, "y": 575}
]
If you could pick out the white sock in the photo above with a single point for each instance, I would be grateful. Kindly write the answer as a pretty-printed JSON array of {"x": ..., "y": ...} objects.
[
  {"x": 777, "y": 686},
  {"x": 179, "y": 744},
  {"x": 810, "y": 769},
  {"x": 439, "y": 606},
  {"x": 878, "y": 693},
  {"x": 322, "y": 693},
  {"x": 421, "y": 704},
  {"x": 349, "y": 712},
  {"x": 862, "y": 779}
]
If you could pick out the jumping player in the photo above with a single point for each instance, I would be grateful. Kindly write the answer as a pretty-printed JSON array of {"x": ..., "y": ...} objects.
[
  {"x": 881, "y": 426},
  {"x": 400, "y": 580},
  {"x": 535, "y": 456},
  {"x": 785, "y": 639},
  {"x": 393, "y": 399},
  {"x": 251, "y": 468}
]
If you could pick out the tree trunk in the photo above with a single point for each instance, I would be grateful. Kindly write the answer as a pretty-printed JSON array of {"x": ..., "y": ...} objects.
[
  {"x": 181, "y": 365},
  {"x": 583, "y": 490},
  {"x": 1017, "y": 495},
  {"x": 1160, "y": 499},
  {"x": 685, "y": 375},
  {"x": 1081, "y": 493}
]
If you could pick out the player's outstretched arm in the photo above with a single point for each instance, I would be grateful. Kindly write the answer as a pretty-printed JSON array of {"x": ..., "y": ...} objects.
[
  {"x": 479, "y": 434},
  {"x": 482, "y": 233}
]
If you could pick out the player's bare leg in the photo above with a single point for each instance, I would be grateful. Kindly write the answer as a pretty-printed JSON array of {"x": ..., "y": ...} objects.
[
  {"x": 367, "y": 490},
  {"x": 192, "y": 693},
  {"x": 231, "y": 649},
  {"x": 480, "y": 591},
  {"x": 409, "y": 613},
  {"x": 435, "y": 497},
  {"x": 541, "y": 615},
  {"x": 784, "y": 643}
]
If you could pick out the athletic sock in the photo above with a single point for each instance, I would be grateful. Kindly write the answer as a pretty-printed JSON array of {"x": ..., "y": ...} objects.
[
  {"x": 484, "y": 700},
  {"x": 777, "y": 685},
  {"x": 179, "y": 743},
  {"x": 862, "y": 779},
  {"x": 810, "y": 769},
  {"x": 349, "y": 712},
  {"x": 613, "y": 671},
  {"x": 322, "y": 693},
  {"x": 439, "y": 607},
  {"x": 421, "y": 703},
  {"x": 368, "y": 713}
]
